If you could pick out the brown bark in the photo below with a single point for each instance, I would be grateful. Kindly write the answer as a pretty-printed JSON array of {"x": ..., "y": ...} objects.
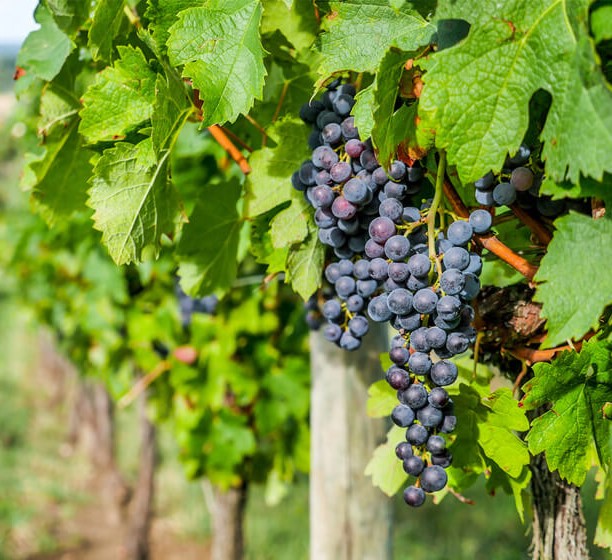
[
  {"x": 350, "y": 519},
  {"x": 141, "y": 506},
  {"x": 227, "y": 511},
  {"x": 559, "y": 530}
]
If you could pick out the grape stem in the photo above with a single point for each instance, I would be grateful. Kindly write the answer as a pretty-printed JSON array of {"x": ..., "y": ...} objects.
[
  {"x": 490, "y": 242},
  {"x": 433, "y": 211},
  {"x": 139, "y": 387},
  {"x": 221, "y": 137}
]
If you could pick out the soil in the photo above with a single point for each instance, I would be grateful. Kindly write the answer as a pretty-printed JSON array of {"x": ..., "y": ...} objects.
[{"x": 91, "y": 534}]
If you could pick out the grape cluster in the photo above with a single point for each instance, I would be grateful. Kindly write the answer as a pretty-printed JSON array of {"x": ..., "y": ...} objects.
[
  {"x": 346, "y": 186},
  {"x": 188, "y": 305},
  {"x": 518, "y": 182},
  {"x": 426, "y": 299}
]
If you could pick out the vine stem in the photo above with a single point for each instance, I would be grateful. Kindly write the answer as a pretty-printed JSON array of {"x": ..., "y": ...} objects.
[
  {"x": 536, "y": 227},
  {"x": 433, "y": 210},
  {"x": 139, "y": 387},
  {"x": 220, "y": 136},
  {"x": 490, "y": 242}
]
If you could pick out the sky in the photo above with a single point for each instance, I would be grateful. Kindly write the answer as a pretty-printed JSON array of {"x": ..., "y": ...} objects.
[{"x": 16, "y": 20}]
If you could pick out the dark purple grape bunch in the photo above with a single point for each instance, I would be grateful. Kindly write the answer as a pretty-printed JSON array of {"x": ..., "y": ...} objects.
[
  {"x": 426, "y": 298},
  {"x": 188, "y": 305},
  {"x": 345, "y": 184},
  {"x": 519, "y": 182}
]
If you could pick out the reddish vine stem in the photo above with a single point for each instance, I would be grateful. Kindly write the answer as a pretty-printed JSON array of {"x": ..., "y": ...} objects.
[
  {"x": 536, "y": 227},
  {"x": 490, "y": 243},
  {"x": 140, "y": 386},
  {"x": 220, "y": 136},
  {"x": 532, "y": 355}
]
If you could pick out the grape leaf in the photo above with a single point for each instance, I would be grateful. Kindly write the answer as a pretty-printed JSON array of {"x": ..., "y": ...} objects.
[
  {"x": 359, "y": 33},
  {"x": 220, "y": 47},
  {"x": 120, "y": 99},
  {"x": 296, "y": 22},
  {"x": 601, "y": 23},
  {"x": 69, "y": 15},
  {"x": 305, "y": 264},
  {"x": 262, "y": 248},
  {"x": 569, "y": 310},
  {"x": 209, "y": 245},
  {"x": 61, "y": 175},
  {"x": 576, "y": 385},
  {"x": 163, "y": 14},
  {"x": 269, "y": 183},
  {"x": 603, "y": 531},
  {"x": 105, "y": 25},
  {"x": 290, "y": 226},
  {"x": 520, "y": 48},
  {"x": 45, "y": 50},
  {"x": 363, "y": 110},
  {"x": 382, "y": 399},
  {"x": 133, "y": 200},
  {"x": 384, "y": 467}
]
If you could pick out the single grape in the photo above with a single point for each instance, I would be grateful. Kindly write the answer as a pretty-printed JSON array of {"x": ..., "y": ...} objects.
[
  {"x": 349, "y": 342},
  {"x": 327, "y": 117},
  {"x": 402, "y": 416},
  {"x": 340, "y": 172},
  {"x": 456, "y": 257},
  {"x": 395, "y": 190},
  {"x": 418, "y": 340},
  {"x": 419, "y": 265},
  {"x": 322, "y": 196},
  {"x": 356, "y": 191},
  {"x": 372, "y": 249},
  {"x": 332, "y": 272},
  {"x": 345, "y": 286},
  {"x": 448, "y": 307},
  {"x": 324, "y": 157},
  {"x": 332, "y": 310},
  {"x": 410, "y": 322},
  {"x": 457, "y": 343},
  {"x": 433, "y": 478},
  {"x": 452, "y": 281},
  {"x": 358, "y": 326},
  {"x": 391, "y": 208},
  {"x": 413, "y": 465},
  {"x": 310, "y": 111},
  {"x": 415, "y": 284},
  {"x": 398, "y": 271},
  {"x": 484, "y": 197},
  {"x": 486, "y": 182},
  {"x": 343, "y": 104},
  {"x": 350, "y": 227},
  {"x": 475, "y": 266},
  {"x": 308, "y": 173},
  {"x": 332, "y": 332},
  {"x": 415, "y": 396},
  {"x": 414, "y": 497},
  {"x": 403, "y": 450},
  {"x": 436, "y": 337},
  {"x": 379, "y": 269},
  {"x": 378, "y": 309},
  {"x": 381, "y": 229},
  {"x": 504, "y": 194},
  {"x": 334, "y": 237},
  {"x": 324, "y": 218},
  {"x": 361, "y": 269},
  {"x": 354, "y": 147},
  {"x": 443, "y": 460},
  {"x": 481, "y": 221},
  {"x": 471, "y": 288},
  {"x": 366, "y": 288},
  {"x": 448, "y": 425},
  {"x": 399, "y": 301},
  {"x": 522, "y": 178},
  {"x": 355, "y": 303},
  {"x": 425, "y": 301},
  {"x": 417, "y": 435},
  {"x": 411, "y": 214},
  {"x": 397, "y": 248},
  {"x": 429, "y": 416},
  {"x": 399, "y": 355},
  {"x": 436, "y": 445},
  {"x": 419, "y": 363},
  {"x": 348, "y": 128},
  {"x": 459, "y": 232},
  {"x": 398, "y": 378},
  {"x": 444, "y": 373},
  {"x": 438, "y": 397},
  {"x": 342, "y": 208},
  {"x": 368, "y": 160}
]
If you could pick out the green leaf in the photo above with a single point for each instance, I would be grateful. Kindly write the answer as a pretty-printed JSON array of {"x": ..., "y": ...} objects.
[
  {"x": 601, "y": 23},
  {"x": 386, "y": 471},
  {"x": 61, "y": 176},
  {"x": 514, "y": 50},
  {"x": 209, "y": 245},
  {"x": 305, "y": 265},
  {"x": 262, "y": 248},
  {"x": 45, "y": 50},
  {"x": 296, "y": 21},
  {"x": 120, "y": 100},
  {"x": 382, "y": 399},
  {"x": 603, "y": 531},
  {"x": 69, "y": 15},
  {"x": 105, "y": 25},
  {"x": 360, "y": 32},
  {"x": 390, "y": 126},
  {"x": 518, "y": 487},
  {"x": 577, "y": 386},
  {"x": 569, "y": 310},
  {"x": 133, "y": 200},
  {"x": 363, "y": 110},
  {"x": 171, "y": 109},
  {"x": 269, "y": 183},
  {"x": 290, "y": 226},
  {"x": 163, "y": 14},
  {"x": 220, "y": 47}
]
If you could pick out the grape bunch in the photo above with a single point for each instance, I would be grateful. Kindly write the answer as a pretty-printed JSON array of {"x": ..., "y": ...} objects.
[
  {"x": 426, "y": 299},
  {"x": 188, "y": 305},
  {"x": 346, "y": 186},
  {"x": 518, "y": 182}
]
